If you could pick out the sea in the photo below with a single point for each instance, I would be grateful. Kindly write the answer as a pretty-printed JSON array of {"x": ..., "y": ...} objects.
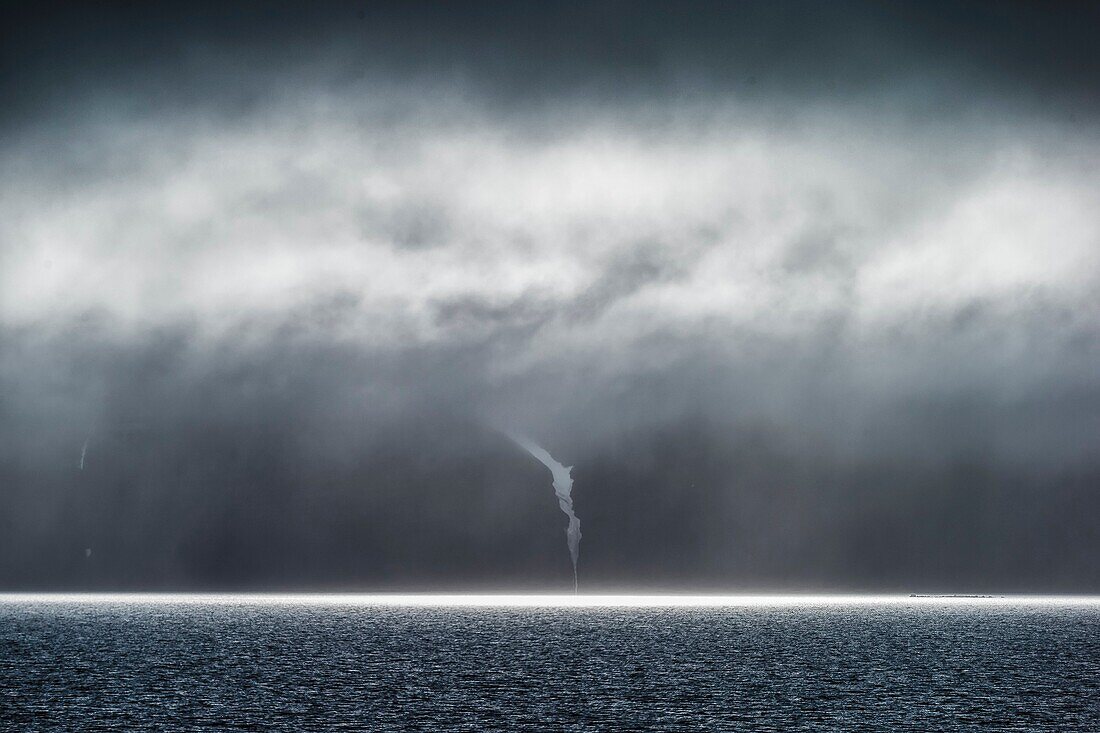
[{"x": 533, "y": 663}]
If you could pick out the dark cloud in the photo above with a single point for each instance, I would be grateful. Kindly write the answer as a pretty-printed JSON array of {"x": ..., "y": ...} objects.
[
  {"x": 283, "y": 468},
  {"x": 1013, "y": 49},
  {"x": 806, "y": 292}
]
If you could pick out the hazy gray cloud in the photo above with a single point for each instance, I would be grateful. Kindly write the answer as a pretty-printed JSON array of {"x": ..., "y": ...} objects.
[{"x": 783, "y": 277}]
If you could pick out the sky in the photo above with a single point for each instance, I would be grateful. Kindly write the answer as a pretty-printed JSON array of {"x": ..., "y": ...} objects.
[{"x": 807, "y": 294}]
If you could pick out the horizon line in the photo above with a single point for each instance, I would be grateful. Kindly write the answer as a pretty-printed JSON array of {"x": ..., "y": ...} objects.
[{"x": 544, "y": 600}]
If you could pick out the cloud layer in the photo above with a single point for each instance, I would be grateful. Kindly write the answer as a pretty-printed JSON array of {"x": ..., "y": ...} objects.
[{"x": 872, "y": 279}]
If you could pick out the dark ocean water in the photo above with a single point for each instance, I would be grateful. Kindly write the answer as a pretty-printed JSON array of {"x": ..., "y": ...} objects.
[{"x": 302, "y": 667}]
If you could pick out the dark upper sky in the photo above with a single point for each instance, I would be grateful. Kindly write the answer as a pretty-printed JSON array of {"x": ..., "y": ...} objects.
[
  {"x": 807, "y": 293},
  {"x": 229, "y": 56}
]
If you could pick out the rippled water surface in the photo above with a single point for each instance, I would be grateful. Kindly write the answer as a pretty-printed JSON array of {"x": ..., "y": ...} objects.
[{"x": 264, "y": 666}]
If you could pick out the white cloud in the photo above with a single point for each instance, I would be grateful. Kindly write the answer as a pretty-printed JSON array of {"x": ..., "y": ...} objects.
[{"x": 773, "y": 227}]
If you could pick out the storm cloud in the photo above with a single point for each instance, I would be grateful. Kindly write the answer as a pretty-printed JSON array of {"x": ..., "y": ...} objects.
[{"x": 808, "y": 295}]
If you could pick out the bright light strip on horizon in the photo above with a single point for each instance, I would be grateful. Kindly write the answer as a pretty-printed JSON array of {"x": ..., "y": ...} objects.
[{"x": 434, "y": 600}]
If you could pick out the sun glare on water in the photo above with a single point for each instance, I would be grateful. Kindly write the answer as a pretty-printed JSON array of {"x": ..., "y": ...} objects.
[{"x": 432, "y": 600}]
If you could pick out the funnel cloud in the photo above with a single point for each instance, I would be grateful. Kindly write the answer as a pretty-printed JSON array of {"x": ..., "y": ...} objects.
[{"x": 563, "y": 485}]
